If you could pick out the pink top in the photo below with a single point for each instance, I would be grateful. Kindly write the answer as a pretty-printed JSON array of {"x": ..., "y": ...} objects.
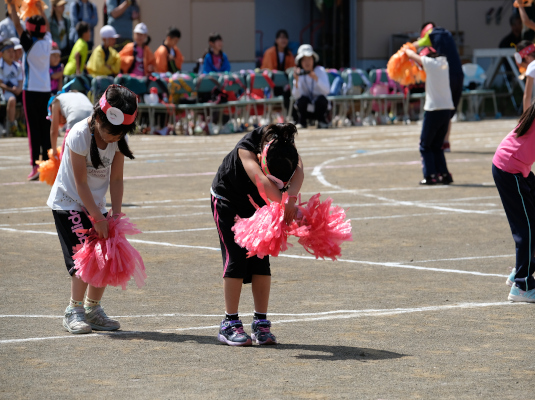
[
  {"x": 138, "y": 63},
  {"x": 516, "y": 154}
]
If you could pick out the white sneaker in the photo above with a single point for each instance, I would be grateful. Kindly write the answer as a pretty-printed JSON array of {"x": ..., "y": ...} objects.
[
  {"x": 74, "y": 320},
  {"x": 99, "y": 321},
  {"x": 517, "y": 294}
]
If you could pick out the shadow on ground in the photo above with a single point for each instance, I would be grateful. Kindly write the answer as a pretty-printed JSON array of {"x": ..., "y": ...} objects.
[{"x": 328, "y": 353}]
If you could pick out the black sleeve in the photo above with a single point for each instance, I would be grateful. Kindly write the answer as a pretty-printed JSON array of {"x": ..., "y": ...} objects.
[{"x": 26, "y": 41}]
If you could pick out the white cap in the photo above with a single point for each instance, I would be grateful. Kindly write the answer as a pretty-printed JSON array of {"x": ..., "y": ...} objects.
[
  {"x": 306, "y": 50},
  {"x": 141, "y": 28},
  {"x": 16, "y": 42},
  {"x": 108, "y": 32}
]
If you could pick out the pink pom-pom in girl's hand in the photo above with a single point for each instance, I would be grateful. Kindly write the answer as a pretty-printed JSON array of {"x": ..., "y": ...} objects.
[
  {"x": 322, "y": 228},
  {"x": 112, "y": 261},
  {"x": 265, "y": 233}
]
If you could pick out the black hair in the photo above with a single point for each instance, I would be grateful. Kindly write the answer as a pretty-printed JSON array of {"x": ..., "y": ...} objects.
[
  {"x": 313, "y": 58},
  {"x": 523, "y": 44},
  {"x": 281, "y": 32},
  {"x": 214, "y": 37},
  {"x": 174, "y": 33},
  {"x": 282, "y": 157},
  {"x": 427, "y": 23},
  {"x": 126, "y": 101},
  {"x": 526, "y": 121},
  {"x": 38, "y": 21},
  {"x": 81, "y": 28}
]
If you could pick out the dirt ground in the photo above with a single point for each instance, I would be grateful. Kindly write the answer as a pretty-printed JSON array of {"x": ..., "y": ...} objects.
[{"x": 415, "y": 308}]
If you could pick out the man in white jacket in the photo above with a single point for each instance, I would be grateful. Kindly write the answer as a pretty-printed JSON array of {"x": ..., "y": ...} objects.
[{"x": 310, "y": 88}]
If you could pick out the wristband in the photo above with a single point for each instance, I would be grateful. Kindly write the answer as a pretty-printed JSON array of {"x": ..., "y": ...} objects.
[{"x": 96, "y": 222}]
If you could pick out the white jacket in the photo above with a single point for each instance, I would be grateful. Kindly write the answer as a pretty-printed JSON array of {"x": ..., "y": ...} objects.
[{"x": 306, "y": 86}]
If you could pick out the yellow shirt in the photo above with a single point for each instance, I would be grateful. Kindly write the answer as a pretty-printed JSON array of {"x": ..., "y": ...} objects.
[
  {"x": 79, "y": 47},
  {"x": 98, "y": 66}
]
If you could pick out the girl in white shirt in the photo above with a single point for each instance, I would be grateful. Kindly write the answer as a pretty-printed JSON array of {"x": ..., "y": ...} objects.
[
  {"x": 310, "y": 88},
  {"x": 92, "y": 161},
  {"x": 438, "y": 106}
]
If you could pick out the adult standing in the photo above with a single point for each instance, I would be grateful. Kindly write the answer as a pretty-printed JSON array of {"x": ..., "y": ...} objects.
[
  {"x": 60, "y": 27},
  {"x": 121, "y": 14},
  {"x": 83, "y": 10},
  {"x": 442, "y": 41}
]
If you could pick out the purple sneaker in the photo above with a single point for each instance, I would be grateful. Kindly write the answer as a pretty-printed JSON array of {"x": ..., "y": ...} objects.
[
  {"x": 232, "y": 333},
  {"x": 261, "y": 332}
]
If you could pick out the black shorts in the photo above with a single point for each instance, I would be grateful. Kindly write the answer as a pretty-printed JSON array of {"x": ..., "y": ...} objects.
[
  {"x": 235, "y": 261},
  {"x": 67, "y": 222}
]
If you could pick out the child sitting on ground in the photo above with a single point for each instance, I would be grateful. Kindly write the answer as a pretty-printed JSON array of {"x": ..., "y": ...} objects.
[
  {"x": 11, "y": 83},
  {"x": 56, "y": 69},
  {"x": 80, "y": 50}
]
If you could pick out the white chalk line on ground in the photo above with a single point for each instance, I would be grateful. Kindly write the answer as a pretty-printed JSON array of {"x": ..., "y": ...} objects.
[
  {"x": 384, "y": 264},
  {"x": 339, "y": 314}
]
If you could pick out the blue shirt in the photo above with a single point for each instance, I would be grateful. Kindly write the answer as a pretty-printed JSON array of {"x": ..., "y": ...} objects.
[
  {"x": 123, "y": 24},
  {"x": 208, "y": 64}
]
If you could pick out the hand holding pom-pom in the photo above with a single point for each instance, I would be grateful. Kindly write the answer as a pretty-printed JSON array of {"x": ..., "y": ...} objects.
[
  {"x": 403, "y": 70},
  {"x": 48, "y": 170}
]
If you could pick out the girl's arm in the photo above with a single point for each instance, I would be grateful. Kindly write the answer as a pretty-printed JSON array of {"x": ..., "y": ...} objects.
[
  {"x": 251, "y": 166},
  {"x": 15, "y": 19},
  {"x": 80, "y": 177},
  {"x": 413, "y": 56},
  {"x": 528, "y": 91},
  {"x": 54, "y": 126},
  {"x": 524, "y": 16},
  {"x": 116, "y": 182}
]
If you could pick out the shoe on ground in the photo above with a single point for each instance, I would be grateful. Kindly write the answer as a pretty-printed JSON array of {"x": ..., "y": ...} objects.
[
  {"x": 99, "y": 321},
  {"x": 261, "y": 333},
  {"x": 445, "y": 179},
  {"x": 323, "y": 125},
  {"x": 74, "y": 320},
  {"x": 429, "y": 180},
  {"x": 34, "y": 175},
  {"x": 511, "y": 278},
  {"x": 301, "y": 126},
  {"x": 446, "y": 147},
  {"x": 516, "y": 294},
  {"x": 232, "y": 333}
]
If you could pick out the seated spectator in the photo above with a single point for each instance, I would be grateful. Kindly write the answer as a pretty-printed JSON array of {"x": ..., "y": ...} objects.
[
  {"x": 83, "y": 11},
  {"x": 7, "y": 27},
  {"x": 121, "y": 13},
  {"x": 137, "y": 58},
  {"x": 18, "y": 49},
  {"x": 79, "y": 52},
  {"x": 279, "y": 56},
  {"x": 515, "y": 36},
  {"x": 11, "y": 83},
  {"x": 168, "y": 56},
  {"x": 56, "y": 69},
  {"x": 215, "y": 60},
  {"x": 311, "y": 86},
  {"x": 105, "y": 60},
  {"x": 60, "y": 27}
]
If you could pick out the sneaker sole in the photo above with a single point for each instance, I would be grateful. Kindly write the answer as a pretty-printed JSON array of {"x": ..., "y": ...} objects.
[
  {"x": 104, "y": 328},
  {"x": 223, "y": 339},
  {"x": 522, "y": 299},
  {"x": 267, "y": 342},
  {"x": 75, "y": 331}
]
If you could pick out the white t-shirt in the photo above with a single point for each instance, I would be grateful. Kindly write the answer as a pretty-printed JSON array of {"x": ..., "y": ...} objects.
[
  {"x": 11, "y": 75},
  {"x": 530, "y": 70},
  {"x": 36, "y": 62},
  {"x": 64, "y": 195},
  {"x": 306, "y": 86},
  {"x": 75, "y": 107},
  {"x": 437, "y": 84}
]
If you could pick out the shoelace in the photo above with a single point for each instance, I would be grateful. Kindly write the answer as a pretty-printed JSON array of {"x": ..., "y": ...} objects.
[
  {"x": 263, "y": 329},
  {"x": 238, "y": 329}
]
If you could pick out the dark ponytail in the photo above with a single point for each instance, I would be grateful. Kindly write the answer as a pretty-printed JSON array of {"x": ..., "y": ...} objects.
[
  {"x": 526, "y": 120},
  {"x": 282, "y": 157},
  {"x": 126, "y": 101}
]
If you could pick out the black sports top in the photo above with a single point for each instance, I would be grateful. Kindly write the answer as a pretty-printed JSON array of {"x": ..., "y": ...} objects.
[{"x": 232, "y": 182}]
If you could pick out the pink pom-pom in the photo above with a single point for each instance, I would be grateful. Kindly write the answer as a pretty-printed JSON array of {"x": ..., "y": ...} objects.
[
  {"x": 322, "y": 228},
  {"x": 112, "y": 261},
  {"x": 265, "y": 233}
]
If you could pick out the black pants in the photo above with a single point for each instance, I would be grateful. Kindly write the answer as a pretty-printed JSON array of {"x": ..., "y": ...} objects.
[
  {"x": 236, "y": 264},
  {"x": 434, "y": 129},
  {"x": 456, "y": 87},
  {"x": 518, "y": 199},
  {"x": 35, "y": 111},
  {"x": 320, "y": 109},
  {"x": 67, "y": 222}
]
